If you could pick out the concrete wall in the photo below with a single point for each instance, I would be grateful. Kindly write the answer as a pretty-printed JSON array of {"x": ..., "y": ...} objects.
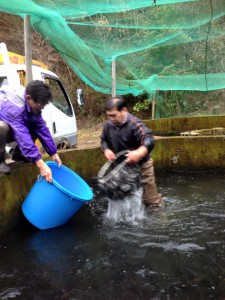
[
  {"x": 174, "y": 126},
  {"x": 13, "y": 190},
  {"x": 170, "y": 153},
  {"x": 190, "y": 153}
]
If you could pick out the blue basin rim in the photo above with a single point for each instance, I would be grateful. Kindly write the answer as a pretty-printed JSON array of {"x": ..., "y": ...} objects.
[{"x": 88, "y": 195}]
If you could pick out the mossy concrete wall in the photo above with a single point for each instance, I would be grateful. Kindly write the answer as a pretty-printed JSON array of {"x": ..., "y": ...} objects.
[
  {"x": 13, "y": 190},
  {"x": 170, "y": 153},
  {"x": 174, "y": 126},
  {"x": 189, "y": 153}
]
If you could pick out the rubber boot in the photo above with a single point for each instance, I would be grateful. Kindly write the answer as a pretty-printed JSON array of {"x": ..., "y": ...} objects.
[
  {"x": 150, "y": 196},
  {"x": 4, "y": 168},
  {"x": 4, "y": 133},
  {"x": 156, "y": 201}
]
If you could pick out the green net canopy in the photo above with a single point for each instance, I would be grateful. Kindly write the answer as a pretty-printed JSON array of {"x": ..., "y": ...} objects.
[{"x": 154, "y": 45}]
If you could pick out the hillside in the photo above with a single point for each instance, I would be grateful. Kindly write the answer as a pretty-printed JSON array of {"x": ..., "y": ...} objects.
[
  {"x": 11, "y": 33},
  {"x": 91, "y": 116}
]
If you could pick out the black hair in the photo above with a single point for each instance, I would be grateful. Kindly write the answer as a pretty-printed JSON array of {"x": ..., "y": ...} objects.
[
  {"x": 117, "y": 102},
  {"x": 39, "y": 91}
]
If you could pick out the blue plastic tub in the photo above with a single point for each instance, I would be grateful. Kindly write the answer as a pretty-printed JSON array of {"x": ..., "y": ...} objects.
[{"x": 52, "y": 204}]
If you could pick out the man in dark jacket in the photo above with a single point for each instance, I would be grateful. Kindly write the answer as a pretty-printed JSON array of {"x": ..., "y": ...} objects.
[
  {"x": 21, "y": 121},
  {"x": 123, "y": 131}
]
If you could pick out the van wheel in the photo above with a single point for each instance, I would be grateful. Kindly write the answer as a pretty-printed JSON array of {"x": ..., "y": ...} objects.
[{"x": 63, "y": 145}]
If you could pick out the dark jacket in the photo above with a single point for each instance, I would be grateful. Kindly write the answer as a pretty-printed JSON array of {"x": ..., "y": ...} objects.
[
  {"x": 16, "y": 112},
  {"x": 129, "y": 135}
]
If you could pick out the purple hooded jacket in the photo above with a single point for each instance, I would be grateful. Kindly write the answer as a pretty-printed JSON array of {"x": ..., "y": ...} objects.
[{"x": 16, "y": 112}]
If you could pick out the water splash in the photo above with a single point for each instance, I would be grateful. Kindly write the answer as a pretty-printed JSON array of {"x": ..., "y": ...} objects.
[
  {"x": 10, "y": 293},
  {"x": 129, "y": 209}
]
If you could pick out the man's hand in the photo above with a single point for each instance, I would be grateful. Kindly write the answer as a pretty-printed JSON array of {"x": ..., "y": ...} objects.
[
  {"x": 135, "y": 156},
  {"x": 56, "y": 158},
  {"x": 45, "y": 171},
  {"x": 109, "y": 154}
]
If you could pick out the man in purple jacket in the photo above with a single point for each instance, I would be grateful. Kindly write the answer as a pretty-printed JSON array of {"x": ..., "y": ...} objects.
[
  {"x": 21, "y": 121},
  {"x": 123, "y": 131}
]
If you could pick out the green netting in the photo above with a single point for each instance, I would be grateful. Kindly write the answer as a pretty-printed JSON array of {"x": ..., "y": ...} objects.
[{"x": 157, "y": 45}]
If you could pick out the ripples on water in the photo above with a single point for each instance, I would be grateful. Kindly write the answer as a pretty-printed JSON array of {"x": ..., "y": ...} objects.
[{"x": 124, "y": 250}]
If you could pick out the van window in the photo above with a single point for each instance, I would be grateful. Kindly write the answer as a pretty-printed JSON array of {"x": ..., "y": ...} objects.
[
  {"x": 59, "y": 96},
  {"x": 22, "y": 76},
  {"x": 3, "y": 81}
]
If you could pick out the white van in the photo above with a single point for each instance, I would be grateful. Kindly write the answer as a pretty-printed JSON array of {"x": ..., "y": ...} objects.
[{"x": 58, "y": 114}]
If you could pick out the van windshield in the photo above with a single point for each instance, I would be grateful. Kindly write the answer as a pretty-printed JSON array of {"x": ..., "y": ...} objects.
[{"x": 3, "y": 81}]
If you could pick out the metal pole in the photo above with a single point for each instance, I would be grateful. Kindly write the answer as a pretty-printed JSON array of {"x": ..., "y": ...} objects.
[
  {"x": 153, "y": 109},
  {"x": 153, "y": 106},
  {"x": 28, "y": 48},
  {"x": 113, "y": 78}
]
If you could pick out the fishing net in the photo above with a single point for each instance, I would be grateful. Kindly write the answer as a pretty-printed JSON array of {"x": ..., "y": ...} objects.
[
  {"x": 155, "y": 44},
  {"x": 118, "y": 179}
]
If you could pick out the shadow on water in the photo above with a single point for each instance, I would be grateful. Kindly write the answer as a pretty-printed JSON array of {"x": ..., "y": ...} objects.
[{"x": 124, "y": 250}]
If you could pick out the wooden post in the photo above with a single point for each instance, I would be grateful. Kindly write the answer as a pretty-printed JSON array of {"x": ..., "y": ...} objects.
[
  {"x": 153, "y": 107},
  {"x": 28, "y": 49},
  {"x": 113, "y": 78}
]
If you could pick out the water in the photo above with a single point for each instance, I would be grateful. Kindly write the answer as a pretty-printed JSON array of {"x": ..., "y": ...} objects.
[
  {"x": 175, "y": 252},
  {"x": 130, "y": 209}
]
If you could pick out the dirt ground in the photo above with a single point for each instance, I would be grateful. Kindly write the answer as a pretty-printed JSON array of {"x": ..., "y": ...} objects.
[{"x": 89, "y": 138}]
